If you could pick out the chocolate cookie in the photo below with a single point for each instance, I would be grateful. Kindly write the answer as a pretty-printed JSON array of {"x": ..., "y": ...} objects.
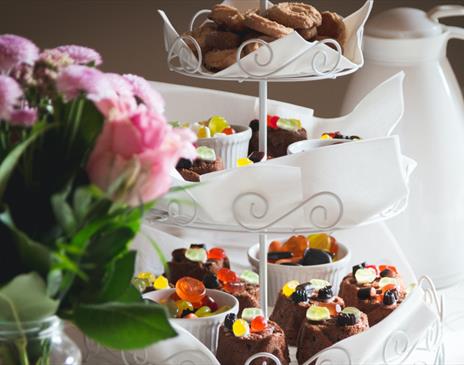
[{"x": 295, "y": 15}]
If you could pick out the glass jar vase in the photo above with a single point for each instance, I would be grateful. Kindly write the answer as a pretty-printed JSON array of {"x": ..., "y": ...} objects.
[{"x": 37, "y": 343}]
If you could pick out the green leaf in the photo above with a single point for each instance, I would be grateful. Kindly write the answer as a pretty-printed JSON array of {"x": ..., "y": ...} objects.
[
  {"x": 63, "y": 213},
  {"x": 118, "y": 277},
  {"x": 124, "y": 326},
  {"x": 82, "y": 201},
  {"x": 25, "y": 299}
]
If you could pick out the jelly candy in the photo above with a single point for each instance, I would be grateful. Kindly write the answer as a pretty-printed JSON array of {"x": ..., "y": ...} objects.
[
  {"x": 140, "y": 284},
  {"x": 196, "y": 255},
  {"x": 373, "y": 267},
  {"x": 222, "y": 309},
  {"x": 388, "y": 267},
  {"x": 299, "y": 296},
  {"x": 346, "y": 319},
  {"x": 211, "y": 281},
  {"x": 234, "y": 287},
  {"x": 390, "y": 297},
  {"x": 272, "y": 121},
  {"x": 228, "y": 131},
  {"x": 325, "y": 293},
  {"x": 217, "y": 124},
  {"x": 318, "y": 284},
  {"x": 364, "y": 276},
  {"x": 209, "y": 302},
  {"x": 366, "y": 293},
  {"x": 275, "y": 246},
  {"x": 204, "y": 132},
  {"x": 307, "y": 287},
  {"x": 289, "y": 124},
  {"x": 357, "y": 267},
  {"x": 229, "y": 320},
  {"x": 240, "y": 328},
  {"x": 216, "y": 253},
  {"x": 326, "y": 136},
  {"x": 289, "y": 288},
  {"x": 161, "y": 283},
  {"x": 333, "y": 246},
  {"x": 388, "y": 281},
  {"x": 227, "y": 276},
  {"x": 244, "y": 161},
  {"x": 314, "y": 256},
  {"x": 316, "y": 313},
  {"x": 334, "y": 308},
  {"x": 296, "y": 244},
  {"x": 206, "y": 153},
  {"x": 191, "y": 316},
  {"x": 190, "y": 289},
  {"x": 250, "y": 277},
  {"x": 249, "y": 313},
  {"x": 388, "y": 287},
  {"x": 183, "y": 308},
  {"x": 278, "y": 255},
  {"x": 148, "y": 277},
  {"x": 258, "y": 324},
  {"x": 203, "y": 311},
  {"x": 321, "y": 241},
  {"x": 355, "y": 311}
]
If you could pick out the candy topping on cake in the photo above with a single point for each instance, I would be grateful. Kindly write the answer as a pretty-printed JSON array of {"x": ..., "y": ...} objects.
[
  {"x": 250, "y": 277},
  {"x": 258, "y": 324},
  {"x": 388, "y": 281},
  {"x": 249, "y": 313},
  {"x": 161, "y": 283},
  {"x": 357, "y": 267},
  {"x": 196, "y": 255},
  {"x": 390, "y": 297},
  {"x": 318, "y": 284},
  {"x": 206, "y": 154},
  {"x": 240, "y": 328},
  {"x": 365, "y": 276},
  {"x": 289, "y": 124},
  {"x": 227, "y": 276},
  {"x": 229, "y": 320},
  {"x": 354, "y": 311},
  {"x": 317, "y": 313},
  {"x": 289, "y": 288},
  {"x": 366, "y": 293},
  {"x": 300, "y": 296},
  {"x": 211, "y": 281},
  {"x": 216, "y": 253},
  {"x": 325, "y": 293},
  {"x": 338, "y": 135}
]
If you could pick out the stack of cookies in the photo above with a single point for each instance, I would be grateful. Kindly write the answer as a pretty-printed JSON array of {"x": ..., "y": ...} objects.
[{"x": 227, "y": 28}]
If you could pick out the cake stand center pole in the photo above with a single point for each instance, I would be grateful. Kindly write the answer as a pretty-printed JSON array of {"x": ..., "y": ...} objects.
[
  {"x": 263, "y": 272},
  {"x": 263, "y": 117}
]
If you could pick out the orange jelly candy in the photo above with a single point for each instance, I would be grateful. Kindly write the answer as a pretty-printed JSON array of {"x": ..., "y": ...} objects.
[
  {"x": 190, "y": 289},
  {"x": 216, "y": 253},
  {"x": 234, "y": 287},
  {"x": 227, "y": 276},
  {"x": 388, "y": 287},
  {"x": 333, "y": 308},
  {"x": 258, "y": 324},
  {"x": 388, "y": 267},
  {"x": 275, "y": 246},
  {"x": 296, "y": 244}
]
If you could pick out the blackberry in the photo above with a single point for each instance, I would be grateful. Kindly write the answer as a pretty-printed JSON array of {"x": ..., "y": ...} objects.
[
  {"x": 229, "y": 320},
  {"x": 300, "y": 295},
  {"x": 325, "y": 293},
  {"x": 346, "y": 319},
  {"x": 390, "y": 297},
  {"x": 211, "y": 281},
  {"x": 307, "y": 287}
]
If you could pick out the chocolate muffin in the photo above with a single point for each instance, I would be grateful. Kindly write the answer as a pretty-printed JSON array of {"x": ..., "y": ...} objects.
[
  {"x": 206, "y": 162},
  {"x": 278, "y": 139},
  {"x": 290, "y": 310},
  {"x": 235, "y": 350},
  {"x": 377, "y": 294},
  {"x": 247, "y": 298},
  {"x": 181, "y": 266},
  {"x": 316, "y": 334}
]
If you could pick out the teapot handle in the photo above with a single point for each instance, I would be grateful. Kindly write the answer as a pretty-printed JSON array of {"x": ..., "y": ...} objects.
[{"x": 443, "y": 11}]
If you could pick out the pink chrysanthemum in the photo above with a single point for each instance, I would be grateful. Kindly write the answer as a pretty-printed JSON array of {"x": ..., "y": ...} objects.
[
  {"x": 56, "y": 58},
  {"x": 147, "y": 95},
  {"x": 75, "y": 79},
  {"x": 10, "y": 92},
  {"x": 25, "y": 117},
  {"x": 15, "y": 50},
  {"x": 81, "y": 55}
]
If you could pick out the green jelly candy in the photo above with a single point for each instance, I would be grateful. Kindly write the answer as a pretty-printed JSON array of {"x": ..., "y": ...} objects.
[
  {"x": 289, "y": 124},
  {"x": 140, "y": 284},
  {"x": 249, "y": 313},
  {"x": 316, "y": 313},
  {"x": 217, "y": 124},
  {"x": 319, "y": 283},
  {"x": 206, "y": 153},
  {"x": 222, "y": 309},
  {"x": 387, "y": 281},
  {"x": 250, "y": 277},
  {"x": 203, "y": 311},
  {"x": 352, "y": 310},
  {"x": 365, "y": 276},
  {"x": 196, "y": 254}
]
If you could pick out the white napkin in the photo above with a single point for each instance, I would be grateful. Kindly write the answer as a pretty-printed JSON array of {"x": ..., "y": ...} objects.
[{"x": 292, "y": 55}]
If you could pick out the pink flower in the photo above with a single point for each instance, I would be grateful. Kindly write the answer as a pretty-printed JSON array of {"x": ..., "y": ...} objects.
[
  {"x": 15, "y": 50},
  {"x": 81, "y": 55},
  {"x": 24, "y": 117},
  {"x": 75, "y": 79},
  {"x": 10, "y": 92},
  {"x": 147, "y": 95},
  {"x": 55, "y": 58}
]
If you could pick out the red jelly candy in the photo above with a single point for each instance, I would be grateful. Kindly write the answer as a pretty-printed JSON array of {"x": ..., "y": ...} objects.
[
  {"x": 190, "y": 289},
  {"x": 272, "y": 121},
  {"x": 209, "y": 302},
  {"x": 373, "y": 267},
  {"x": 216, "y": 253},
  {"x": 227, "y": 276},
  {"x": 234, "y": 287},
  {"x": 228, "y": 131},
  {"x": 258, "y": 324}
]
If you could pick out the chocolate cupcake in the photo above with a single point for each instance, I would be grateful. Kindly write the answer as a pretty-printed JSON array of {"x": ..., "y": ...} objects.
[
  {"x": 206, "y": 162},
  {"x": 320, "y": 330},
  {"x": 194, "y": 262},
  {"x": 281, "y": 133},
  {"x": 375, "y": 291},
  {"x": 241, "y": 338},
  {"x": 294, "y": 300}
]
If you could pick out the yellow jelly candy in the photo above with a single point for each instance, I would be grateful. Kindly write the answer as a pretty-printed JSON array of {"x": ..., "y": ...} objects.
[
  {"x": 320, "y": 241},
  {"x": 325, "y": 136},
  {"x": 147, "y": 277},
  {"x": 204, "y": 132},
  {"x": 240, "y": 328},
  {"x": 290, "y": 287},
  {"x": 161, "y": 283},
  {"x": 244, "y": 161},
  {"x": 217, "y": 124}
]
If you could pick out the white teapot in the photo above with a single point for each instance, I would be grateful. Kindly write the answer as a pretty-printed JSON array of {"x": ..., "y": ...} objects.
[{"x": 431, "y": 132}]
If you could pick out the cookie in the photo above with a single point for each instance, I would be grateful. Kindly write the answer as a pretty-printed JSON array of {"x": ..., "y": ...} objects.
[
  {"x": 266, "y": 26},
  {"x": 308, "y": 34},
  {"x": 295, "y": 15},
  {"x": 222, "y": 40},
  {"x": 332, "y": 26},
  {"x": 249, "y": 48},
  {"x": 228, "y": 17},
  {"x": 217, "y": 60},
  {"x": 200, "y": 34}
]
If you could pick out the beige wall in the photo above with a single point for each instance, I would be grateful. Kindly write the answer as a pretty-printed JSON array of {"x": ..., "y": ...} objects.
[{"x": 128, "y": 35}]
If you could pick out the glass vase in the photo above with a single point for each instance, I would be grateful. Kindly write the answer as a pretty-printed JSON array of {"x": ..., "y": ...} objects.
[{"x": 37, "y": 343}]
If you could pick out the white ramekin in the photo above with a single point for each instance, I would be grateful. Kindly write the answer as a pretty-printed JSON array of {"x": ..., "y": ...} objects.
[
  {"x": 311, "y": 144},
  {"x": 205, "y": 329},
  {"x": 278, "y": 275},
  {"x": 229, "y": 147}
]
